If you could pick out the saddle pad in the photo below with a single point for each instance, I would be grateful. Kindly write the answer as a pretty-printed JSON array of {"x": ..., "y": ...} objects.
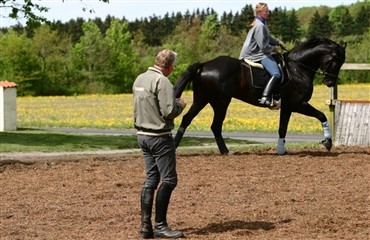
[{"x": 253, "y": 64}]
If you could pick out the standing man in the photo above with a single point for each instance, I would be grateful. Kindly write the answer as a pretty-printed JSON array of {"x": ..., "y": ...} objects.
[{"x": 155, "y": 109}]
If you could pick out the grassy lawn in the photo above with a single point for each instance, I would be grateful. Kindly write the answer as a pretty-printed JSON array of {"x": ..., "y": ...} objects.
[{"x": 27, "y": 140}]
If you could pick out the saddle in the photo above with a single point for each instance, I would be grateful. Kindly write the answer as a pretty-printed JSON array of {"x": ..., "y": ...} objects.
[
  {"x": 259, "y": 76},
  {"x": 253, "y": 64}
]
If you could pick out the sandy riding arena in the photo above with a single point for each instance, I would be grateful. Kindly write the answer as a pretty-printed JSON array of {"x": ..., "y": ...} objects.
[{"x": 308, "y": 194}]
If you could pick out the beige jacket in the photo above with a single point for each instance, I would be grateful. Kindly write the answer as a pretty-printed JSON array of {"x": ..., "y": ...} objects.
[{"x": 155, "y": 106}]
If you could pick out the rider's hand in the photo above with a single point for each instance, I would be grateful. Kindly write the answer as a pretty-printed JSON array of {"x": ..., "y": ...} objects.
[{"x": 282, "y": 45}]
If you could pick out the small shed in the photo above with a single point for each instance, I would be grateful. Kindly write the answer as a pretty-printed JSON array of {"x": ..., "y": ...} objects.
[
  {"x": 8, "y": 106},
  {"x": 352, "y": 123}
]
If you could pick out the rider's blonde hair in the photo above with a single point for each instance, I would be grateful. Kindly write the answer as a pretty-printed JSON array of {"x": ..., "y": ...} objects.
[{"x": 259, "y": 7}]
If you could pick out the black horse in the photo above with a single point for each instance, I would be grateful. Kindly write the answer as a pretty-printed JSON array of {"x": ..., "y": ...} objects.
[{"x": 219, "y": 80}]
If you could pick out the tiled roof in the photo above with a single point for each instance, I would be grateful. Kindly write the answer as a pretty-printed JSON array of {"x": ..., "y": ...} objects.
[{"x": 7, "y": 84}]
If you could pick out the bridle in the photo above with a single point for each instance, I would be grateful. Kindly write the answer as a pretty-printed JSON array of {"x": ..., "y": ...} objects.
[
  {"x": 323, "y": 67},
  {"x": 325, "y": 73}
]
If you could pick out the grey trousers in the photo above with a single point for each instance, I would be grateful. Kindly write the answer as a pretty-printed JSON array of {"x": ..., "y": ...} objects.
[{"x": 160, "y": 160}]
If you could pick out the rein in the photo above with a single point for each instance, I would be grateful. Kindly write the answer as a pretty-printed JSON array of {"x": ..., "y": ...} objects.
[{"x": 322, "y": 72}]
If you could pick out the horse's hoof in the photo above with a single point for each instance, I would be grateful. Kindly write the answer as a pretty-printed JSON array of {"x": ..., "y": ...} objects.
[
  {"x": 327, "y": 143},
  {"x": 233, "y": 153},
  {"x": 282, "y": 153},
  {"x": 226, "y": 153}
]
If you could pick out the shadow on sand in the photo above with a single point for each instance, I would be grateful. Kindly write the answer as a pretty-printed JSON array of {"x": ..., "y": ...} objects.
[{"x": 235, "y": 225}]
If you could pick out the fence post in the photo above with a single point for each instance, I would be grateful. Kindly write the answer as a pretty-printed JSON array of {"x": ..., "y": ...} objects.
[
  {"x": 8, "y": 106},
  {"x": 333, "y": 98}
]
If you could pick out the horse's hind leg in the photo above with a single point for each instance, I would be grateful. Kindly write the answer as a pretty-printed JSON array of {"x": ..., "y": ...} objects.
[
  {"x": 195, "y": 108},
  {"x": 220, "y": 109}
]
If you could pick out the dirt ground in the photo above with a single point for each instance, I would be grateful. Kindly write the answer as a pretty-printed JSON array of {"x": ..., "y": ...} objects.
[{"x": 308, "y": 194}]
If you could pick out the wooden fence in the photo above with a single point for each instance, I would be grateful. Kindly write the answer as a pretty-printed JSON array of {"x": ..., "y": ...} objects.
[{"x": 350, "y": 120}]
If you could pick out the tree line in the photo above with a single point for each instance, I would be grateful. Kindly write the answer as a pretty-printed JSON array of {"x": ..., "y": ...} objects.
[{"x": 105, "y": 56}]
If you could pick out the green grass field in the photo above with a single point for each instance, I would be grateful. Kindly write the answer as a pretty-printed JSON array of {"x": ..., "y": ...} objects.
[{"x": 34, "y": 140}]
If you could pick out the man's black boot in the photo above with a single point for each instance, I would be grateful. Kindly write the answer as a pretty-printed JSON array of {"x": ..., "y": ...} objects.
[
  {"x": 147, "y": 196},
  {"x": 161, "y": 229},
  {"x": 265, "y": 100}
]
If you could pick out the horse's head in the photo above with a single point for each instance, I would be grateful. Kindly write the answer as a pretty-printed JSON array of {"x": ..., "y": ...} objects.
[
  {"x": 320, "y": 53},
  {"x": 331, "y": 62}
]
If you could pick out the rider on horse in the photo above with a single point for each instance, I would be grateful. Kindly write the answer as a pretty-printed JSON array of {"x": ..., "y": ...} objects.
[{"x": 258, "y": 46}]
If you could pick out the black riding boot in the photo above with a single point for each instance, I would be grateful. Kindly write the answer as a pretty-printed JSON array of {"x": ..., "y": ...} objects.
[
  {"x": 147, "y": 196},
  {"x": 266, "y": 100},
  {"x": 161, "y": 229}
]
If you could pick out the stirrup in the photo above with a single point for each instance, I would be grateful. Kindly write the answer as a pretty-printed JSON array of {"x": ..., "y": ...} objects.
[{"x": 264, "y": 101}]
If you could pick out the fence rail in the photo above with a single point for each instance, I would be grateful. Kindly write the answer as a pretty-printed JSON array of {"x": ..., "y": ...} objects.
[{"x": 355, "y": 66}]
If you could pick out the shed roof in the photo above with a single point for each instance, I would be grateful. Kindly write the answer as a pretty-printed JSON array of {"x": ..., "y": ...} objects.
[{"x": 7, "y": 84}]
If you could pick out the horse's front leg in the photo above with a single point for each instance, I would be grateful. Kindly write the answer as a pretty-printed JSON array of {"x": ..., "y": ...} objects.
[
  {"x": 283, "y": 127},
  {"x": 308, "y": 110}
]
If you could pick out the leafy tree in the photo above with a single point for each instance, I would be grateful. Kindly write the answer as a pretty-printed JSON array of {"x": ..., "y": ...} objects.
[
  {"x": 72, "y": 29},
  {"x": 275, "y": 20},
  {"x": 208, "y": 33},
  {"x": 236, "y": 24},
  {"x": 107, "y": 23},
  {"x": 202, "y": 15},
  {"x": 242, "y": 21},
  {"x": 362, "y": 21},
  {"x": 29, "y": 10},
  {"x": 18, "y": 63},
  {"x": 357, "y": 52},
  {"x": 227, "y": 19},
  {"x": 284, "y": 29},
  {"x": 139, "y": 44},
  {"x": 90, "y": 57},
  {"x": 345, "y": 26},
  {"x": 319, "y": 26},
  {"x": 326, "y": 26},
  {"x": 292, "y": 32},
  {"x": 152, "y": 31},
  {"x": 184, "y": 41},
  {"x": 284, "y": 25},
  {"x": 226, "y": 44},
  {"x": 122, "y": 57},
  {"x": 341, "y": 20},
  {"x": 51, "y": 52},
  {"x": 314, "y": 28}
]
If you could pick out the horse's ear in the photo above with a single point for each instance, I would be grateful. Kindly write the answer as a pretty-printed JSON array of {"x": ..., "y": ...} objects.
[{"x": 343, "y": 44}]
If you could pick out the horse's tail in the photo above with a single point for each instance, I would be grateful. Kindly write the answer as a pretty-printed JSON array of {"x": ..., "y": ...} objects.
[{"x": 186, "y": 78}]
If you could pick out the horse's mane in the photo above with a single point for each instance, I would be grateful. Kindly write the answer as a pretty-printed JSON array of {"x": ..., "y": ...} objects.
[{"x": 313, "y": 42}]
